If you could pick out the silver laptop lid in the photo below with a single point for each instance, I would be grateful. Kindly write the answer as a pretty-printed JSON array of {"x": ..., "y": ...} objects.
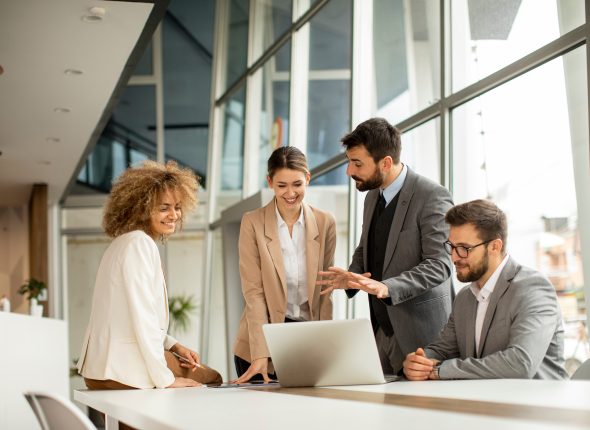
[{"x": 320, "y": 353}]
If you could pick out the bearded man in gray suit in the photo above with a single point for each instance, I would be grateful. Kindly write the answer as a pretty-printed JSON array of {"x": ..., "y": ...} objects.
[
  {"x": 507, "y": 323},
  {"x": 400, "y": 261}
]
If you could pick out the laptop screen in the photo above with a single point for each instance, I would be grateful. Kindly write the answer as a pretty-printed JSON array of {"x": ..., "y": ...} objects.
[{"x": 322, "y": 353}]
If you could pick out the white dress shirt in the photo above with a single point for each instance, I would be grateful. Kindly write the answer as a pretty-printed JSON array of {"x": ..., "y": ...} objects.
[
  {"x": 293, "y": 249},
  {"x": 395, "y": 187},
  {"x": 483, "y": 299}
]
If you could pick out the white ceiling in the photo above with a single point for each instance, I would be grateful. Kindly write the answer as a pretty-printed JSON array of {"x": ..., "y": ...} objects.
[{"x": 39, "y": 40}]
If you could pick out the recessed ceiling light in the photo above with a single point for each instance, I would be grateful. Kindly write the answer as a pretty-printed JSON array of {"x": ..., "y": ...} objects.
[
  {"x": 61, "y": 110},
  {"x": 73, "y": 72},
  {"x": 95, "y": 14},
  {"x": 53, "y": 139}
]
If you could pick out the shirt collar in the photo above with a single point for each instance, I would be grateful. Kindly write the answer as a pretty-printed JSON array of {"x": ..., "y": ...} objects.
[
  {"x": 281, "y": 222},
  {"x": 488, "y": 288},
  {"x": 392, "y": 189}
]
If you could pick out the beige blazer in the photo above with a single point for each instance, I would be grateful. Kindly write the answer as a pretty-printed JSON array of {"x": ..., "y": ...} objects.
[
  {"x": 126, "y": 335},
  {"x": 263, "y": 274}
]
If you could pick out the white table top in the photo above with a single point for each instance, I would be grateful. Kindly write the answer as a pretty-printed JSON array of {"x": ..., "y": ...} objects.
[
  {"x": 533, "y": 392},
  {"x": 420, "y": 405}
]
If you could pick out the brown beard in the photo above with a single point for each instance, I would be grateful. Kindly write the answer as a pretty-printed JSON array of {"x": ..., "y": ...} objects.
[
  {"x": 373, "y": 182},
  {"x": 477, "y": 272}
]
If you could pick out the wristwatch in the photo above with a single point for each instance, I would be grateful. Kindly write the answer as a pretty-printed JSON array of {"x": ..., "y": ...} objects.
[{"x": 434, "y": 372}]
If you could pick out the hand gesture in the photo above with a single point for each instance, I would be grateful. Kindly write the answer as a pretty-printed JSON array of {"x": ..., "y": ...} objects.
[
  {"x": 336, "y": 278},
  {"x": 417, "y": 367},
  {"x": 188, "y": 358},
  {"x": 183, "y": 383},
  {"x": 258, "y": 366},
  {"x": 368, "y": 285}
]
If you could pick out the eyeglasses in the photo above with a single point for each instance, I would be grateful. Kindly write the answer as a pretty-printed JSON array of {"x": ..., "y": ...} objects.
[{"x": 462, "y": 251}]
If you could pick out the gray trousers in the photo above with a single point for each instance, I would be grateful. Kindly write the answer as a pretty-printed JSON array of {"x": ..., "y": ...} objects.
[{"x": 390, "y": 353}]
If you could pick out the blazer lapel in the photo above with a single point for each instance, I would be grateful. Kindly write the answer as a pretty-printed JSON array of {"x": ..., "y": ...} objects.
[
  {"x": 502, "y": 285},
  {"x": 403, "y": 202},
  {"x": 470, "y": 314},
  {"x": 273, "y": 245},
  {"x": 312, "y": 253}
]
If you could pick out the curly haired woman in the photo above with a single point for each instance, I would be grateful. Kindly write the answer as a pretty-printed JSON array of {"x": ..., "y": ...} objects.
[{"x": 126, "y": 344}]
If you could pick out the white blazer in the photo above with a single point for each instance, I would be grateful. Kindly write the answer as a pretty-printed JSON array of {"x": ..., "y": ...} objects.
[{"x": 127, "y": 332}]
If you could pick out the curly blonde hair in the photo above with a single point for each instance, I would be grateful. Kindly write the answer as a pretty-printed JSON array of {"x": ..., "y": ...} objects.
[{"x": 136, "y": 193}]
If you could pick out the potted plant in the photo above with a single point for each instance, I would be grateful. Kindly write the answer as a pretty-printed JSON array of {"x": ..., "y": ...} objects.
[
  {"x": 35, "y": 290},
  {"x": 180, "y": 308}
]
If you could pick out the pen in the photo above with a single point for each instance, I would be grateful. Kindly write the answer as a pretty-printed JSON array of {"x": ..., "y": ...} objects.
[{"x": 185, "y": 360}]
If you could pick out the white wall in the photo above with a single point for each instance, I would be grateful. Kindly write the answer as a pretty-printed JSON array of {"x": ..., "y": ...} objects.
[{"x": 34, "y": 357}]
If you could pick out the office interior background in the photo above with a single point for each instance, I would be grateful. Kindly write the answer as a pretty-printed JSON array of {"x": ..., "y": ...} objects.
[{"x": 491, "y": 98}]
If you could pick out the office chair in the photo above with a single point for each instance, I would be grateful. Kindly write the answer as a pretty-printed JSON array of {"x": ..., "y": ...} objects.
[
  {"x": 56, "y": 413},
  {"x": 583, "y": 372}
]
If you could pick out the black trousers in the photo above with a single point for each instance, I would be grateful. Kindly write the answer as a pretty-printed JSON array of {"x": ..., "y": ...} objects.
[{"x": 242, "y": 365}]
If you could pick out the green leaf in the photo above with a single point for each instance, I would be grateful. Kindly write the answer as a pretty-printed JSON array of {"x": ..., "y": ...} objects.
[
  {"x": 180, "y": 309},
  {"x": 32, "y": 287}
]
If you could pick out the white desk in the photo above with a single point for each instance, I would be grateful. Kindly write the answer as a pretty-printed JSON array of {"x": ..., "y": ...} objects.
[{"x": 453, "y": 405}]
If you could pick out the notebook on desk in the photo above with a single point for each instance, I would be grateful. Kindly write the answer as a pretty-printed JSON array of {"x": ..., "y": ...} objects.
[{"x": 321, "y": 353}]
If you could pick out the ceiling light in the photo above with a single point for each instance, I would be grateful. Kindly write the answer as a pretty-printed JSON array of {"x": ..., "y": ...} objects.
[
  {"x": 61, "y": 110},
  {"x": 95, "y": 14},
  {"x": 53, "y": 139},
  {"x": 73, "y": 72}
]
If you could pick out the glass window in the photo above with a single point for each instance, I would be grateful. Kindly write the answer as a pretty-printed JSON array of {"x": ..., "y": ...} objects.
[
  {"x": 406, "y": 58},
  {"x": 237, "y": 40},
  {"x": 232, "y": 157},
  {"x": 144, "y": 67},
  {"x": 421, "y": 150},
  {"x": 328, "y": 197},
  {"x": 119, "y": 159},
  {"x": 273, "y": 19},
  {"x": 98, "y": 173},
  {"x": 331, "y": 36},
  {"x": 274, "y": 110},
  {"x": 328, "y": 113},
  {"x": 508, "y": 146},
  {"x": 328, "y": 119},
  {"x": 488, "y": 35},
  {"x": 187, "y": 60},
  {"x": 128, "y": 138},
  {"x": 134, "y": 119}
]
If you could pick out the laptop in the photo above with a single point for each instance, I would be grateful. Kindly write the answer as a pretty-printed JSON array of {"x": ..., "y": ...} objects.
[{"x": 322, "y": 353}]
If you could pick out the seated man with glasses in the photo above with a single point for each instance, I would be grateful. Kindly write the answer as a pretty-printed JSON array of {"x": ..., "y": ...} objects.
[{"x": 506, "y": 323}]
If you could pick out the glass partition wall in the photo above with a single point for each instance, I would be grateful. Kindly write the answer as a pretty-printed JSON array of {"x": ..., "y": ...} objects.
[{"x": 491, "y": 98}]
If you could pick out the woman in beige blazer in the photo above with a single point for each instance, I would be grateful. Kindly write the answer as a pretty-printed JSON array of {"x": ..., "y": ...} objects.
[
  {"x": 126, "y": 343},
  {"x": 282, "y": 248}
]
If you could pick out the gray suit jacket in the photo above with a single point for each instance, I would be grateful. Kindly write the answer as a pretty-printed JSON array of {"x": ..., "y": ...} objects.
[
  {"x": 416, "y": 268},
  {"x": 521, "y": 336}
]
